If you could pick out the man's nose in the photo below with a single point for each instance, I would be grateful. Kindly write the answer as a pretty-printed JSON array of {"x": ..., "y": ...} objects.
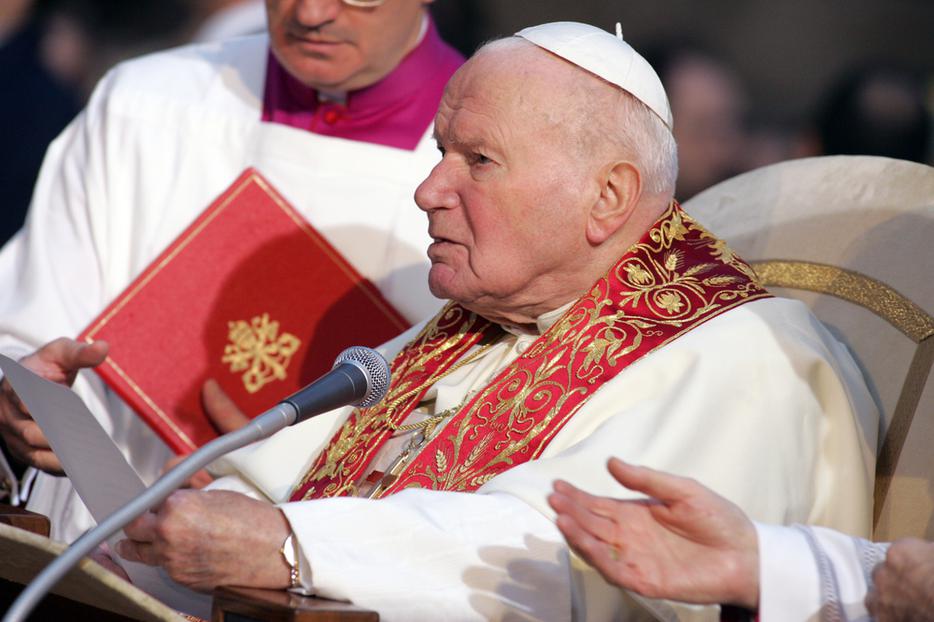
[
  {"x": 316, "y": 13},
  {"x": 436, "y": 192}
]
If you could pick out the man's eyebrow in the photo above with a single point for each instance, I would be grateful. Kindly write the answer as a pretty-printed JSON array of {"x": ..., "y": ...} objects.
[{"x": 452, "y": 138}]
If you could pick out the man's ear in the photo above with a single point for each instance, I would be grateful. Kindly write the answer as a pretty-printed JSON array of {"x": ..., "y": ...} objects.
[{"x": 620, "y": 190}]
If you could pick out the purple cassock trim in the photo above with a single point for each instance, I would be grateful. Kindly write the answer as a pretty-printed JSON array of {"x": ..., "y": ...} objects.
[{"x": 394, "y": 112}]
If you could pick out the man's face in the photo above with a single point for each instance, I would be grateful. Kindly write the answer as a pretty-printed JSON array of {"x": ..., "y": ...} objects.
[
  {"x": 507, "y": 203},
  {"x": 331, "y": 46}
]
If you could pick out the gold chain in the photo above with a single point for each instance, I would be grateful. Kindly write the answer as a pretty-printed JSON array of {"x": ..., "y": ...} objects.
[{"x": 434, "y": 419}]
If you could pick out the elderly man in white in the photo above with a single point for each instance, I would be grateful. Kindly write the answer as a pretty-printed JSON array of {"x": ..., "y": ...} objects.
[{"x": 589, "y": 317}]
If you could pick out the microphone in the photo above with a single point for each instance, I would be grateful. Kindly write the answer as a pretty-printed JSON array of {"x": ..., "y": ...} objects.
[{"x": 360, "y": 377}]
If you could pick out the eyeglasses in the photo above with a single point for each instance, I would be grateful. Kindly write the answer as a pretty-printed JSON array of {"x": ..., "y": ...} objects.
[{"x": 363, "y": 4}]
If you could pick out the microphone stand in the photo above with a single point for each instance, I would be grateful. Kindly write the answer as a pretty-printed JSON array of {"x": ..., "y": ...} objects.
[{"x": 270, "y": 422}]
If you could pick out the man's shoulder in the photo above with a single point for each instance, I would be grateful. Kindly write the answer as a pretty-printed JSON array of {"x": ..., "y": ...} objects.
[
  {"x": 234, "y": 68},
  {"x": 759, "y": 329}
]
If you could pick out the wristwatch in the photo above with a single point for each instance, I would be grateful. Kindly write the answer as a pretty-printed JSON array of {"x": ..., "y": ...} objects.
[{"x": 290, "y": 555}]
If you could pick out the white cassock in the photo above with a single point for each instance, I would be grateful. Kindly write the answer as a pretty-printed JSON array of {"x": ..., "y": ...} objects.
[
  {"x": 161, "y": 138},
  {"x": 759, "y": 403},
  {"x": 814, "y": 574}
]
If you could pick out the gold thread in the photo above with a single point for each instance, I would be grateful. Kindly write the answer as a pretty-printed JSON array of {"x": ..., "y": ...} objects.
[
  {"x": 713, "y": 314},
  {"x": 391, "y": 408},
  {"x": 334, "y": 454},
  {"x": 259, "y": 350},
  {"x": 165, "y": 418},
  {"x": 851, "y": 286}
]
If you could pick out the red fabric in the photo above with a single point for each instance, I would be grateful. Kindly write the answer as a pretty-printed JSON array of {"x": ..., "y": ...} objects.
[
  {"x": 248, "y": 255},
  {"x": 396, "y": 111}
]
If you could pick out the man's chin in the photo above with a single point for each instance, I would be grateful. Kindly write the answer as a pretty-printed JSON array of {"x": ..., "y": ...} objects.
[
  {"x": 321, "y": 69},
  {"x": 441, "y": 283}
]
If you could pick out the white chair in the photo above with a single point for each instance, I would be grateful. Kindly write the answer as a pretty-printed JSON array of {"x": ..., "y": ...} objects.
[{"x": 853, "y": 237}]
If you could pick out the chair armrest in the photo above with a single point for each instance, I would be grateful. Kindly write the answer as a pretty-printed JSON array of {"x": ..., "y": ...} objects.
[
  {"x": 24, "y": 519},
  {"x": 247, "y": 604}
]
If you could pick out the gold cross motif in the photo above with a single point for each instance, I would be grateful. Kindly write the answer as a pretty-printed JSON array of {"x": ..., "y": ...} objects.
[{"x": 257, "y": 349}]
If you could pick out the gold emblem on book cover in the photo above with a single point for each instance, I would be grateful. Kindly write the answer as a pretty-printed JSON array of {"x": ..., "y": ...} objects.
[{"x": 259, "y": 350}]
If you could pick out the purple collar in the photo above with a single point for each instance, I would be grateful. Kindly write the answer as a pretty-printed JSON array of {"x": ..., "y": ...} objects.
[{"x": 394, "y": 112}]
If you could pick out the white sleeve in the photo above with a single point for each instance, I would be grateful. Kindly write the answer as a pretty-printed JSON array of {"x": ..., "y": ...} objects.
[
  {"x": 50, "y": 271},
  {"x": 426, "y": 555},
  {"x": 52, "y": 265},
  {"x": 813, "y": 573}
]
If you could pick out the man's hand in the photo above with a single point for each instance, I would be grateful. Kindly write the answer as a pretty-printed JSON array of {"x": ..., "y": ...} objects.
[
  {"x": 58, "y": 361},
  {"x": 224, "y": 415},
  {"x": 904, "y": 583},
  {"x": 686, "y": 543},
  {"x": 208, "y": 538},
  {"x": 104, "y": 556}
]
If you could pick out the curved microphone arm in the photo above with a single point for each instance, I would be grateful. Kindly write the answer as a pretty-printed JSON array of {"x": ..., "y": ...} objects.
[
  {"x": 268, "y": 423},
  {"x": 360, "y": 376}
]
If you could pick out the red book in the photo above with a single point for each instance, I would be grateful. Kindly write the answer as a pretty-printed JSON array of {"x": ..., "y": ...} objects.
[{"x": 250, "y": 295}]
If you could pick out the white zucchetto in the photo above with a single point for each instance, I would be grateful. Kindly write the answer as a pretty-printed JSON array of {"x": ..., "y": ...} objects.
[{"x": 606, "y": 56}]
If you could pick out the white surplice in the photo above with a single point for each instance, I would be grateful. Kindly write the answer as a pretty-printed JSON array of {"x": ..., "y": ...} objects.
[
  {"x": 759, "y": 403},
  {"x": 161, "y": 138},
  {"x": 813, "y": 574}
]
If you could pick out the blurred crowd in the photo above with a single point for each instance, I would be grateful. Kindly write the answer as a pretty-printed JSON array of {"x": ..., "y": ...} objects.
[{"x": 52, "y": 52}]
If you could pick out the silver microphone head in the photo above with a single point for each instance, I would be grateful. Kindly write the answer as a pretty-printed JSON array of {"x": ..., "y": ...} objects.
[{"x": 373, "y": 366}]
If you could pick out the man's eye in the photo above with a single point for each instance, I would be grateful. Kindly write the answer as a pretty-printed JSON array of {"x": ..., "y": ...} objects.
[{"x": 479, "y": 158}]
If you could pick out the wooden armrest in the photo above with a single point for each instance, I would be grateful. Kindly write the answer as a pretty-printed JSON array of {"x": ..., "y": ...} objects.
[
  {"x": 241, "y": 604},
  {"x": 24, "y": 519}
]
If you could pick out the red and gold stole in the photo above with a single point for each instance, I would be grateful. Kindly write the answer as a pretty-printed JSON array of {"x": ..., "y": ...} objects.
[{"x": 675, "y": 278}]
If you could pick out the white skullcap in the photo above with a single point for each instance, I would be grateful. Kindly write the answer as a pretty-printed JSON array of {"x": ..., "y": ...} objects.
[{"x": 606, "y": 56}]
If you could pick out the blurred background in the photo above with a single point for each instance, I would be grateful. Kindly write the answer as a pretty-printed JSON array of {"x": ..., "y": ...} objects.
[{"x": 751, "y": 82}]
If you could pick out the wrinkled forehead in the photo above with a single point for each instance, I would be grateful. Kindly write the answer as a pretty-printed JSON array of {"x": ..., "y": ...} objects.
[{"x": 511, "y": 76}]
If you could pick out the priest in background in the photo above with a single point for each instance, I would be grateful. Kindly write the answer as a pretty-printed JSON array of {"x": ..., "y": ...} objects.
[
  {"x": 334, "y": 107},
  {"x": 589, "y": 317}
]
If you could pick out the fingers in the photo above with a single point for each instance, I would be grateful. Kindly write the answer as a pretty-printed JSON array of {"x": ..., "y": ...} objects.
[
  {"x": 42, "y": 459},
  {"x": 141, "y": 536},
  {"x": 7, "y": 393},
  {"x": 59, "y": 360},
  {"x": 104, "y": 556},
  {"x": 662, "y": 486},
  {"x": 143, "y": 528},
  {"x": 199, "y": 480},
  {"x": 594, "y": 551},
  {"x": 25, "y": 439},
  {"x": 221, "y": 410},
  {"x": 87, "y": 354},
  {"x": 591, "y": 513},
  {"x": 140, "y": 552}
]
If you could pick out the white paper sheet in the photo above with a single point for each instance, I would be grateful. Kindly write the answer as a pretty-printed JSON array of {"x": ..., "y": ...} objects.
[{"x": 98, "y": 470}]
